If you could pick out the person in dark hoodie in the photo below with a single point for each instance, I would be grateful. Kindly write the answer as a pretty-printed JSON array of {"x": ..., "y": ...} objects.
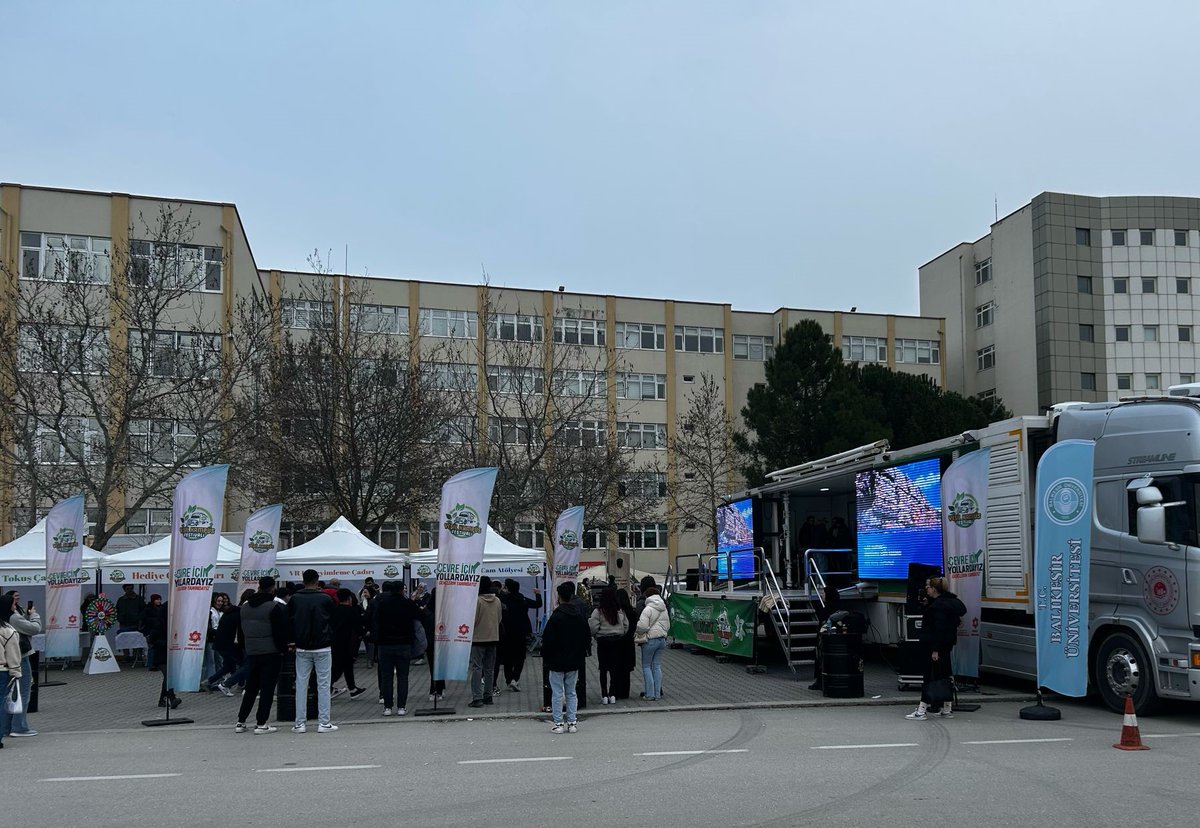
[
  {"x": 483, "y": 643},
  {"x": 437, "y": 687},
  {"x": 229, "y": 654},
  {"x": 263, "y": 633},
  {"x": 312, "y": 636},
  {"x": 939, "y": 633},
  {"x": 515, "y": 630},
  {"x": 564, "y": 651},
  {"x": 347, "y": 622},
  {"x": 392, "y": 616}
]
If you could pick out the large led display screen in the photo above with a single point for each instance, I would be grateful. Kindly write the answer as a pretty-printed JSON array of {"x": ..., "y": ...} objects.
[
  {"x": 735, "y": 535},
  {"x": 899, "y": 518}
]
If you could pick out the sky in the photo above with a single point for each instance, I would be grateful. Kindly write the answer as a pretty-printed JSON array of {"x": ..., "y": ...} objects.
[{"x": 765, "y": 154}]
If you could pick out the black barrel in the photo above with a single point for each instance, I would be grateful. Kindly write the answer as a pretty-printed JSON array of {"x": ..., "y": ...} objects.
[{"x": 842, "y": 665}]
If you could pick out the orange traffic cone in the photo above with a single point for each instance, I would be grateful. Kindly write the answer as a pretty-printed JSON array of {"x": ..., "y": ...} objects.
[{"x": 1131, "y": 737}]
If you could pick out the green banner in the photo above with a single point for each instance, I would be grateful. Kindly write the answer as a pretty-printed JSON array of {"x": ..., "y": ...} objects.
[{"x": 721, "y": 624}]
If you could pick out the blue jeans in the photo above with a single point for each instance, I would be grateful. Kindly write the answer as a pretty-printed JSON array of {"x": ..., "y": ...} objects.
[
  {"x": 306, "y": 662},
  {"x": 19, "y": 722},
  {"x": 652, "y": 652},
  {"x": 560, "y": 684}
]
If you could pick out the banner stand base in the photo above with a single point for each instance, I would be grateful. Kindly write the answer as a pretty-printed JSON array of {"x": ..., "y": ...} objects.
[
  {"x": 434, "y": 711},
  {"x": 968, "y": 708},
  {"x": 164, "y": 722},
  {"x": 52, "y": 684},
  {"x": 1040, "y": 712}
]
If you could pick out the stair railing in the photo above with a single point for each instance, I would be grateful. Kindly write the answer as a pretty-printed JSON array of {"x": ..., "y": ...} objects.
[{"x": 772, "y": 588}]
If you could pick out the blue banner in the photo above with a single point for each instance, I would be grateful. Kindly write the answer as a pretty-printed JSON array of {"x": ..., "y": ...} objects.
[{"x": 1061, "y": 557}]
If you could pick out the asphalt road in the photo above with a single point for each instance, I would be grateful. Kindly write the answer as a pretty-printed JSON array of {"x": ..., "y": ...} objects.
[{"x": 837, "y": 766}]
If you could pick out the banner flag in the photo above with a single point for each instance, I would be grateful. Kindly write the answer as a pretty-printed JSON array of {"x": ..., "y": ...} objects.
[
  {"x": 65, "y": 528},
  {"x": 720, "y": 624},
  {"x": 568, "y": 538},
  {"x": 260, "y": 545},
  {"x": 964, "y": 529},
  {"x": 196, "y": 518},
  {"x": 1061, "y": 558},
  {"x": 466, "y": 500}
]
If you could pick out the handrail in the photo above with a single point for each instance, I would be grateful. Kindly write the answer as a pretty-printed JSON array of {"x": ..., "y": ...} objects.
[
  {"x": 785, "y": 609},
  {"x": 814, "y": 579}
]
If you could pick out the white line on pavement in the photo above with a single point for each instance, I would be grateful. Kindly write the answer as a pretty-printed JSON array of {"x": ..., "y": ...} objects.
[
  {"x": 863, "y": 747},
  {"x": 1014, "y": 741},
  {"x": 507, "y": 761},
  {"x": 326, "y": 768},
  {"x": 689, "y": 752},
  {"x": 1167, "y": 735},
  {"x": 109, "y": 778}
]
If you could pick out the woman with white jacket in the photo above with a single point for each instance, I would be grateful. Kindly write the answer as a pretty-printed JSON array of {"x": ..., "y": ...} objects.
[
  {"x": 27, "y": 623},
  {"x": 653, "y": 626},
  {"x": 10, "y": 657}
]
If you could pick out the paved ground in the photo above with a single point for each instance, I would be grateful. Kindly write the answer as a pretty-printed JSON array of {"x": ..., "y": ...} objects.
[{"x": 116, "y": 701}]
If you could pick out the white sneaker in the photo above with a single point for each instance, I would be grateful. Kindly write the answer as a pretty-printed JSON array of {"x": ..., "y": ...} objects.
[
  {"x": 514, "y": 686},
  {"x": 433, "y": 696},
  {"x": 572, "y": 727},
  {"x": 225, "y": 691},
  {"x": 300, "y": 728},
  {"x": 559, "y": 727},
  {"x": 261, "y": 729},
  {"x": 917, "y": 715},
  {"x": 326, "y": 728},
  {"x": 337, "y": 691},
  {"x": 604, "y": 699},
  {"x": 381, "y": 699},
  {"x": 387, "y": 711},
  {"x": 239, "y": 728},
  {"x": 400, "y": 711},
  {"x": 944, "y": 714}
]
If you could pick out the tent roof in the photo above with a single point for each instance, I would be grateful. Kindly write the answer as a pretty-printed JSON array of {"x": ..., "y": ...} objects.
[
  {"x": 29, "y": 551},
  {"x": 340, "y": 544},
  {"x": 159, "y": 554},
  {"x": 495, "y": 550}
]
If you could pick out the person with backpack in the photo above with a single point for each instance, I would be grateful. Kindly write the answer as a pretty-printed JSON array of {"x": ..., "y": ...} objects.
[
  {"x": 939, "y": 633},
  {"x": 653, "y": 626}
]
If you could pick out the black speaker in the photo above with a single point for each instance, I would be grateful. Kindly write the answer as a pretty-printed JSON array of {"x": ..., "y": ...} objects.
[{"x": 918, "y": 574}]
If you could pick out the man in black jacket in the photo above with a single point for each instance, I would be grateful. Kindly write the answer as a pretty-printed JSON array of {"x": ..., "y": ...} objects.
[
  {"x": 515, "y": 630},
  {"x": 312, "y": 636},
  {"x": 391, "y": 620},
  {"x": 263, "y": 632},
  {"x": 564, "y": 651}
]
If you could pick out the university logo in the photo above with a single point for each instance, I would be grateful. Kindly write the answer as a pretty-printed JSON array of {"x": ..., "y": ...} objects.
[
  {"x": 65, "y": 539},
  {"x": 1066, "y": 501},
  {"x": 568, "y": 539},
  {"x": 196, "y": 523},
  {"x": 390, "y": 571},
  {"x": 116, "y": 576},
  {"x": 424, "y": 571},
  {"x": 261, "y": 542},
  {"x": 462, "y": 521},
  {"x": 964, "y": 510}
]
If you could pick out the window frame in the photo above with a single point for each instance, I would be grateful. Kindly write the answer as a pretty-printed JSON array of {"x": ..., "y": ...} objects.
[
  {"x": 596, "y": 330},
  {"x": 931, "y": 347},
  {"x": 691, "y": 339},
  {"x": 448, "y": 322},
  {"x": 985, "y": 314},
  {"x": 983, "y": 271},
  {"x": 642, "y": 380},
  {"x": 747, "y": 344},
  {"x": 500, "y": 324},
  {"x": 1142, "y": 234},
  {"x": 1120, "y": 238},
  {"x": 145, "y": 256},
  {"x": 985, "y": 358},
  {"x": 643, "y": 331},
  {"x": 863, "y": 344}
]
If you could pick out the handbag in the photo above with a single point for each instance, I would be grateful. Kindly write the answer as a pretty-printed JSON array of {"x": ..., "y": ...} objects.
[
  {"x": 940, "y": 691},
  {"x": 420, "y": 642},
  {"x": 13, "y": 702}
]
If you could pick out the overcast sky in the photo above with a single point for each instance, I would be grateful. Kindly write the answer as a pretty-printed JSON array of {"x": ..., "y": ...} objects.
[{"x": 764, "y": 154}]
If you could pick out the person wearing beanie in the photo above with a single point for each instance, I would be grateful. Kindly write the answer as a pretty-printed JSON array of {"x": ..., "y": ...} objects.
[
  {"x": 483, "y": 643},
  {"x": 564, "y": 652}
]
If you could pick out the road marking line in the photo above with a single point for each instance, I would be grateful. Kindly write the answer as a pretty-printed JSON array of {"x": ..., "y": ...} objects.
[
  {"x": 326, "y": 768},
  {"x": 690, "y": 752},
  {"x": 109, "y": 778},
  {"x": 1167, "y": 735},
  {"x": 507, "y": 761},
  {"x": 863, "y": 747},
  {"x": 1015, "y": 741}
]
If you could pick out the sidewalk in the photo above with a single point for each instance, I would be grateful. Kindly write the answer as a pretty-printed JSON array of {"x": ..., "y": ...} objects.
[{"x": 691, "y": 681}]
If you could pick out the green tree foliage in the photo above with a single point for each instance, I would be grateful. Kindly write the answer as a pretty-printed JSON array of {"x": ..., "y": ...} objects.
[{"x": 813, "y": 404}]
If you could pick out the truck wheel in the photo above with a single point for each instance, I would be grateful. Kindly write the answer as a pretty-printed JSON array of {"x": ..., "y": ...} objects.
[{"x": 1122, "y": 668}]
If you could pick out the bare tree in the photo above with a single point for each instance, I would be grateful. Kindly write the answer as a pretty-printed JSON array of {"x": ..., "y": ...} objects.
[
  {"x": 116, "y": 376},
  {"x": 706, "y": 461}
]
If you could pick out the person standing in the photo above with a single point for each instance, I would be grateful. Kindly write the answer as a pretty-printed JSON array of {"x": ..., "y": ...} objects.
[
  {"x": 212, "y": 661},
  {"x": 392, "y": 618},
  {"x": 130, "y": 608},
  {"x": 484, "y": 642},
  {"x": 628, "y": 650},
  {"x": 564, "y": 651},
  {"x": 165, "y": 696},
  {"x": 10, "y": 657},
  {"x": 652, "y": 628},
  {"x": 27, "y": 623},
  {"x": 228, "y": 653},
  {"x": 347, "y": 621},
  {"x": 312, "y": 636},
  {"x": 437, "y": 687},
  {"x": 263, "y": 632},
  {"x": 152, "y": 621},
  {"x": 515, "y": 630},
  {"x": 939, "y": 633},
  {"x": 608, "y": 626}
]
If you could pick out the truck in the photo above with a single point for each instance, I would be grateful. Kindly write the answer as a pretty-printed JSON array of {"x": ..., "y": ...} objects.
[{"x": 1144, "y": 609}]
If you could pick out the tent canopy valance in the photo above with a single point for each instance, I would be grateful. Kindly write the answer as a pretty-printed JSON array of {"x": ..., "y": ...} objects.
[
  {"x": 501, "y": 559},
  {"x": 341, "y": 551},
  {"x": 150, "y": 564},
  {"x": 23, "y": 561}
]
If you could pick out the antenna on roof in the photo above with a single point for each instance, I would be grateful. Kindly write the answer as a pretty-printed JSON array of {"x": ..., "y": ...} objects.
[{"x": 996, "y": 205}]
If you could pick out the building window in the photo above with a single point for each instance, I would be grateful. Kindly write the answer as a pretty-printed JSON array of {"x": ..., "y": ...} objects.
[
  {"x": 165, "y": 442},
  {"x": 1187, "y": 379},
  {"x": 185, "y": 266},
  {"x": 451, "y": 324},
  {"x": 985, "y": 358},
  {"x": 1183, "y": 285},
  {"x": 515, "y": 327},
  {"x": 983, "y": 271},
  {"x": 585, "y": 433},
  {"x": 305, "y": 314},
  {"x": 1145, "y": 237},
  {"x": 383, "y": 319},
  {"x": 689, "y": 379},
  {"x": 1083, "y": 236},
  {"x": 864, "y": 349},
  {"x": 1149, "y": 333},
  {"x": 1181, "y": 238},
  {"x": 983, "y": 314},
  {"x": 65, "y": 441},
  {"x": 749, "y": 346},
  {"x": 918, "y": 351},
  {"x": 641, "y": 386},
  {"x": 1124, "y": 382},
  {"x": 643, "y": 484},
  {"x": 642, "y": 435},
  {"x": 1121, "y": 333},
  {"x": 1087, "y": 333},
  {"x": 1087, "y": 381},
  {"x": 1120, "y": 285},
  {"x": 394, "y": 536},
  {"x": 641, "y": 336},
  {"x": 148, "y": 522},
  {"x": 511, "y": 431},
  {"x": 58, "y": 257},
  {"x": 1153, "y": 382},
  {"x": 1118, "y": 237},
  {"x": 573, "y": 383},
  {"x": 642, "y": 535},
  {"x": 1185, "y": 333},
  {"x": 1148, "y": 284},
  {"x": 531, "y": 535},
  {"x": 595, "y": 539},
  {"x": 987, "y": 396},
  {"x": 1083, "y": 284},
  {"x": 50, "y": 349},
  {"x": 429, "y": 534},
  {"x": 699, "y": 340},
  {"x": 450, "y": 376},
  {"x": 570, "y": 331},
  {"x": 503, "y": 379},
  {"x": 176, "y": 353}
]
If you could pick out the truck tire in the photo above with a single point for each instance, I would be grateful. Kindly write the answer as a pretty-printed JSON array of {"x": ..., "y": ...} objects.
[{"x": 1122, "y": 667}]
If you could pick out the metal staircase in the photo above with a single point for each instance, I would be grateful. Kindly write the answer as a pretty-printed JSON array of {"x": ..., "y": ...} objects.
[{"x": 794, "y": 618}]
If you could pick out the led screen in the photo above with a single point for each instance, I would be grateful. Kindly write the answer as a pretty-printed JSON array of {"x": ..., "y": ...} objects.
[
  {"x": 735, "y": 534},
  {"x": 899, "y": 518}
]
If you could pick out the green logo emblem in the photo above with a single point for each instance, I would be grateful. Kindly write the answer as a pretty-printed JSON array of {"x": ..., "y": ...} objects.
[
  {"x": 964, "y": 510},
  {"x": 103, "y": 654},
  {"x": 424, "y": 571},
  {"x": 463, "y": 521},
  {"x": 390, "y": 571},
  {"x": 196, "y": 523},
  {"x": 261, "y": 542},
  {"x": 64, "y": 540},
  {"x": 1066, "y": 501},
  {"x": 568, "y": 539},
  {"x": 116, "y": 576}
]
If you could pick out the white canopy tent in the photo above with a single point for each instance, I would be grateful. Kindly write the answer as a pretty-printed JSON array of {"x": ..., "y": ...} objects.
[
  {"x": 23, "y": 561},
  {"x": 151, "y": 564},
  {"x": 500, "y": 559},
  {"x": 343, "y": 552}
]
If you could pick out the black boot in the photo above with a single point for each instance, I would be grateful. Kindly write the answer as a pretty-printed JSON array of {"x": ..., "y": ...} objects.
[{"x": 174, "y": 700}]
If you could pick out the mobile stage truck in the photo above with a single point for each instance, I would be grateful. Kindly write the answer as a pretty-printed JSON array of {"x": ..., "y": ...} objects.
[{"x": 1144, "y": 617}]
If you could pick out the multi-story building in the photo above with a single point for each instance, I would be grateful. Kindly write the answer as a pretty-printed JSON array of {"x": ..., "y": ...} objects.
[
  {"x": 662, "y": 347},
  {"x": 1071, "y": 298}
]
